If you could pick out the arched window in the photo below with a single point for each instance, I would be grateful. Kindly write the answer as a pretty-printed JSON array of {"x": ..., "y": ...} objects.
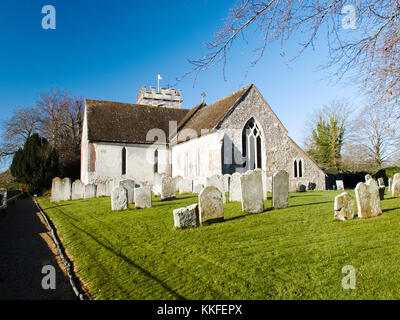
[
  {"x": 123, "y": 161},
  {"x": 252, "y": 145},
  {"x": 156, "y": 161},
  {"x": 300, "y": 169},
  {"x": 295, "y": 168}
]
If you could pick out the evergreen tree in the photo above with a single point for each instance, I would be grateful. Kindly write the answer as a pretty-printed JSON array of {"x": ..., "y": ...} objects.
[{"x": 36, "y": 164}]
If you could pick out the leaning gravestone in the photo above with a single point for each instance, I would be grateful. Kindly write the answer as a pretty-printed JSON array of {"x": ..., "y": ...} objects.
[
  {"x": 185, "y": 186},
  {"x": 211, "y": 205},
  {"x": 143, "y": 198},
  {"x": 129, "y": 185},
  {"x": 280, "y": 190},
  {"x": 56, "y": 190},
  {"x": 89, "y": 191},
  {"x": 344, "y": 207},
  {"x": 197, "y": 188},
  {"x": 77, "y": 190},
  {"x": 186, "y": 217},
  {"x": 368, "y": 202},
  {"x": 218, "y": 182},
  {"x": 339, "y": 185},
  {"x": 300, "y": 187},
  {"x": 368, "y": 177},
  {"x": 101, "y": 189},
  {"x": 235, "y": 192},
  {"x": 168, "y": 188},
  {"x": 119, "y": 198},
  {"x": 252, "y": 192},
  {"x": 66, "y": 188}
]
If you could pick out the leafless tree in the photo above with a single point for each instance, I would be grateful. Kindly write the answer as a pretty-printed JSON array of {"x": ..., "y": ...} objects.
[
  {"x": 376, "y": 132},
  {"x": 370, "y": 44}
]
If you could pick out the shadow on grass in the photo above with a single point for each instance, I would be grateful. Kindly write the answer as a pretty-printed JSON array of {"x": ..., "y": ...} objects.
[
  {"x": 304, "y": 194},
  {"x": 391, "y": 209},
  {"x": 130, "y": 262},
  {"x": 308, "y": 204}
]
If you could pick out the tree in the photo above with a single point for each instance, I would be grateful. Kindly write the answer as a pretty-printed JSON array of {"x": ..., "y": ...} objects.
[
  {"x": 364, "y": 37},
  {"x": 36, "y": 164},
  {"x": 328, "y": 131},
  {"x": 376, "y": 131},
  {"x": 17, "y": 129}
]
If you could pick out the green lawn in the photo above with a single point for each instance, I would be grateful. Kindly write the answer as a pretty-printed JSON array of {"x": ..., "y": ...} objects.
[{"x": 292, "y": 253}]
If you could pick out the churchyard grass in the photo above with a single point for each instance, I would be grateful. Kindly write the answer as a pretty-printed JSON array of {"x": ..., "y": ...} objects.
[{"x": 292, "y": 253}]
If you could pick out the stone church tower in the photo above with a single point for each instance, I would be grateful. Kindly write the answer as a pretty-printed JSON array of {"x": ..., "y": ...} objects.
[{"x": 168, "y": 98}]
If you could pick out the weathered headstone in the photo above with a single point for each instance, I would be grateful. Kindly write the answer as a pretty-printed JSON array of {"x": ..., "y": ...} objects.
[
  {"x": 119, "y": 198},
  {"x": 368, "y": 202},
  {"x": 211, "y": 205},
  {"x": 185, "y": 186},
  {"x": 77, "y": 190},
  {"x": 280, "y": 190},
  {"x": 197, "y": 188},
  {"x": 143, "y": 198},
  {"x": 344, "y": 207},
  {"x": 396, "y": 188},
  {"x": 235, "y": 191},
  {"x": 252, "y": 192},
  {"x": 129, "y": 185},
  {"x": 89, "y": 191},
  {"x": 168, "y": 189},
  {"x": 226, "y": 180},
  {"x": 368, "y": 177},
  {"x": 264, "y": 181},
  {"x": 381, "y": 182},
  {"x": 300, "y": 187},
  {"x": 390, "y": 184},
  {"x": 382, "y": 193},
  {"x": 339, "y": 185},
  {"x": 101, "y": 189},
  {"x": 218, "y": 182},
  {"x": 157, "y": 184},
  {"x": 186, "y": 217},
  {"x": 56, "y": 190},
  {"x": 66, "y": 187}
]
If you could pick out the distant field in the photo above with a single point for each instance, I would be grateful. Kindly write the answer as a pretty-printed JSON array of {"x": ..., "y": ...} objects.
[{"x": 292, "y": 253}]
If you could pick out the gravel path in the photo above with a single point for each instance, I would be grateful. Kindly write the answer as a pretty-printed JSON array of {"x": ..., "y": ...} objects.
[{"x": 26, "y": 247}]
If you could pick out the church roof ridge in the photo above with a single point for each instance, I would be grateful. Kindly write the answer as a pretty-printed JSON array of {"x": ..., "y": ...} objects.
[{"x": 94, "y": 102}]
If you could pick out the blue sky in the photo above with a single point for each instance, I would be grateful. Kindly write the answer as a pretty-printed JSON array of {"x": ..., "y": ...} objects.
[{"x": 110, "y": 49}]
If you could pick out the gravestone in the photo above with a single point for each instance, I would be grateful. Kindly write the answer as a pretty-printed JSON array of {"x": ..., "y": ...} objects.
[
  {"x": 226, "y": 180},
  {"x": 390, "y": 184},
  {"x": 168, "y": 188},
  {"x": 66, "y": 188},
  {"x": 300, "y": 187},
  {"x": 263, "y": 181},
  {"x": 344, "y": 207},
  {"x": 311, "y": 186},
  {"x": 143, "y": 198},
  {"x": 119, "y": 198},
  {"x": 235, "y": 192},
  {"x": 368, "y": 177},
  {"x": 339, "y": 185},
  {"x": 129, "y": 185},
  {"x": 382, "y": 193},
  {"x": 396, "y": 188},
  {"x": 186, "y": 217},
  {"x": 218, "y": 182},
  {"x": 77, "y": 190},
  {"x": 56, "y": 190},
  {"x": 211, "y": 205},
  {"x": 280, "y": 190},
  {"x": 157, "y": 184},
  {"x": 198, "y": 188},
  {"x": 185, "y": 186},
  {"x": 252, "y": 192},
  {"x": 89, "y": 191},
  {"x": 368, "y": 202},
  {"x": 101, "y": 189},
  {"x": 381, "y": 182}
]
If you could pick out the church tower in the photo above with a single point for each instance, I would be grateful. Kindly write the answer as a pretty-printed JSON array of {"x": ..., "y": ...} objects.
[{"x": 168, "y": 98}]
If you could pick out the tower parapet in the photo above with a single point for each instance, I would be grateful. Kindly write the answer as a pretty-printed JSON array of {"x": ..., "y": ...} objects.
[{"x": 168, "y": 98}]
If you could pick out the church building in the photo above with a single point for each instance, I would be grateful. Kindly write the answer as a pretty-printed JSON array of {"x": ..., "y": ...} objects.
[{"x": 156, "y": 136}]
